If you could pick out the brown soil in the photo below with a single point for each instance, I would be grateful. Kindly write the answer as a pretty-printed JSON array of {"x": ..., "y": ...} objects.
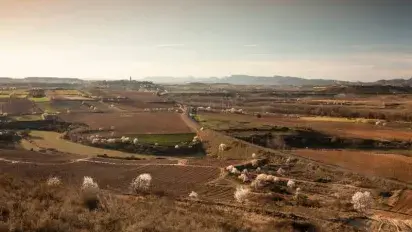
[
  {"x": 133, "y": 123},
  {"x": 384, "y": 165}
]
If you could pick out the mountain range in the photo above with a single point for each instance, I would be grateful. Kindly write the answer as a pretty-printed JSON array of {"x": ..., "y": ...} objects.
[
  {"x": 273, "y": 80},
  {"x": 233, "y": 79}
]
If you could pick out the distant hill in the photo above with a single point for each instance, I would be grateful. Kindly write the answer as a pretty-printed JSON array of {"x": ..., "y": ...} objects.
[
  {"x": 272, "y": 80},
  {"x": 247, "y": 80},
  {"x": 54, "y": 80},
  {"x": 395, "y": 82}
]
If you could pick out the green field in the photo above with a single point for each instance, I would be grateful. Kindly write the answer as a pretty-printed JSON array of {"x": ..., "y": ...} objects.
[
  {"x": 39, "y": 99},
  {"x": 165, "y": 139}
]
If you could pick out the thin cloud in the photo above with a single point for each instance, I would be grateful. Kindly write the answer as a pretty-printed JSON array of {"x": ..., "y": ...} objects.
[
  {"x": 169, "y": 45},
  {"x": 251, "y": 45}
]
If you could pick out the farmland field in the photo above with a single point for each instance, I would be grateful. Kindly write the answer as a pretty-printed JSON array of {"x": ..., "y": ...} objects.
[
  {"x": 174, "y": 180},
  {"x": 341, "y": 128},
  {"x": 297, "y": 165},
  {"x": 132, "y": 123},
  {"x": 384, "y": 165},
  {"x": 47, "y": 140},
  {"x": 14, "y": 106},
  {"x": 39, "y": 99}
]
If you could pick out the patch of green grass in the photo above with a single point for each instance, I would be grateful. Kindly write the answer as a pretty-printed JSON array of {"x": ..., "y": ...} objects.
[
  {"x": 165, "y": 139},
  {"x": 39, "y": 99}
]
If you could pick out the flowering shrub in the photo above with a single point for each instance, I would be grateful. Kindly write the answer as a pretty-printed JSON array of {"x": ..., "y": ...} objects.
[
  {"x": 141, "y": 183},
  {"x": 242, "y": 194},
  {"x": 193, "y": 195},
  {"x": 53, "y": 181},
  {"x": 362, "y": 201},
  {"x": 291, "y": 184}
]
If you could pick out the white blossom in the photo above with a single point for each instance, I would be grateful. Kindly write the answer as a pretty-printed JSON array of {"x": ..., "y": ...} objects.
[
  {"x": 362, "y": 202},
  {"x": 193, "y": 195},
  {"x": 234, "y": 171},
  {"x": 244, "y": 177},
  {"x": 228, "y": 168},
  {"x": 141, "y": 183},
  {"x": 53, "y": 181},
  {"x": 195, "y": 139},
  {"x": 291, "y": 184},
  {"x": 255, "y": 163},
  {"x": 241, "y": 194},
  {"x": 89, "y": 185},
  {"x": 222, "y": 147}
]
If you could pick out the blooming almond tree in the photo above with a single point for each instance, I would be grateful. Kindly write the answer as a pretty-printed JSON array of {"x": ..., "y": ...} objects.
[
  {"x": 291, "y": 184},
  {"x": 242, "y": 194},
  {"x": 362, "y": 201},
  {"x": 90, "y": 190},
  {"x": 141, "y": 183},
  {"x": 89, "y": 185},
  {"x": 53, "y": 181},
  {"x": 193, "y": 195}
]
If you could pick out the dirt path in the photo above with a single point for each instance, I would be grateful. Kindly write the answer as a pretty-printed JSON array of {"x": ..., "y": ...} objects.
[
  {"x": 90, "y": 160},
  {"x": 194, "y": 126}
]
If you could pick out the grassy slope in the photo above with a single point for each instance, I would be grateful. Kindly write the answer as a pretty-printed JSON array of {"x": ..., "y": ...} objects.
[{"x": 46, "y": 139}]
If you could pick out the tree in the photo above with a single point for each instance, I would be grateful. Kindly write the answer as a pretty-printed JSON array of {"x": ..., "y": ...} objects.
[{"x": 362, "y": 201}]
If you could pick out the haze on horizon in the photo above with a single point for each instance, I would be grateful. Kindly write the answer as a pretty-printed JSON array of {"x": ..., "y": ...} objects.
[{"x": 350, "y": 40}]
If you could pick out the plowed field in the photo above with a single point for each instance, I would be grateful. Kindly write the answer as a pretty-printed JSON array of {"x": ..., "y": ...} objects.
[
  {"x": 133, "y": 123},
  {"x": 384, "y": 165}
]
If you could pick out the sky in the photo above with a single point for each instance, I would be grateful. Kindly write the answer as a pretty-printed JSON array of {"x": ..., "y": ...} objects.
[{"x": 350, "y": 40}]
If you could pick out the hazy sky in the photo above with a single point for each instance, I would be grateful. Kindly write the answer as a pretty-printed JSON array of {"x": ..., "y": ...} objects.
[{"x": 340, "y": 39}]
